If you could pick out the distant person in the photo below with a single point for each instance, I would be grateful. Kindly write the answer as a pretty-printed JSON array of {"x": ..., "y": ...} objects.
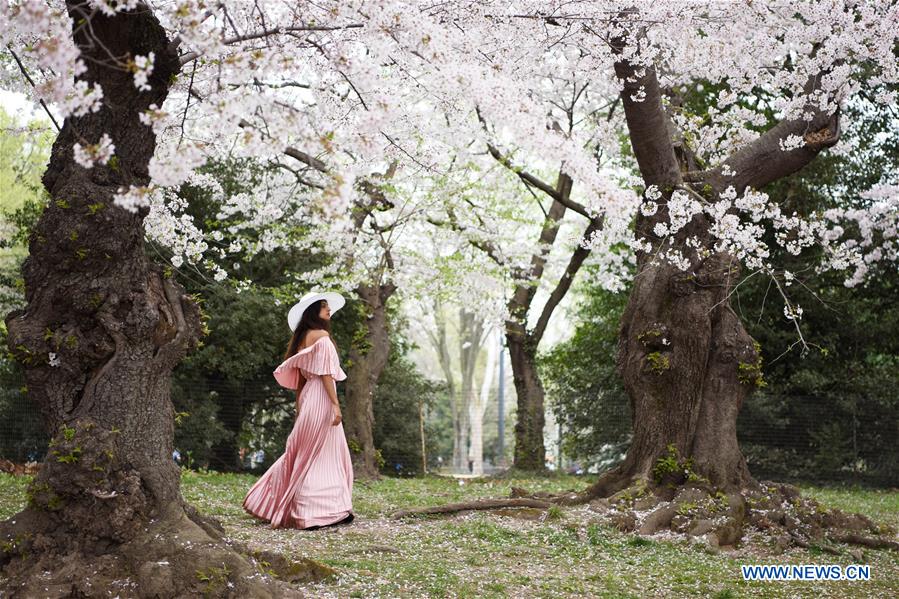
[{"x": 311, "y": 485}]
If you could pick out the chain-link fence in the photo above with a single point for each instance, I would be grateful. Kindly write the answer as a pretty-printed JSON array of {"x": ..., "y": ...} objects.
[{"x": 243, "y": 426}]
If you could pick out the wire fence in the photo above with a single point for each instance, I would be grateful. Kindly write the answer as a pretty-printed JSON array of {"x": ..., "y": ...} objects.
[{"x": 243, "y": 426}]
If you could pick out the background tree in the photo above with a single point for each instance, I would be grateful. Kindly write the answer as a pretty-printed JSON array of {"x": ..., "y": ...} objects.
[{"x": 468, "y": 334}]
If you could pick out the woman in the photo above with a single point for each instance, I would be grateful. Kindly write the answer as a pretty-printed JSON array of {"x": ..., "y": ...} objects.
[{"x": 311, "y": 485}]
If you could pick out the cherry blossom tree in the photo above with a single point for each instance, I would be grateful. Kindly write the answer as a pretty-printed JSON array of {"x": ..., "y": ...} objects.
[
  {"x": 104, "y": 326},
  {"x": 346, "y": 89}
]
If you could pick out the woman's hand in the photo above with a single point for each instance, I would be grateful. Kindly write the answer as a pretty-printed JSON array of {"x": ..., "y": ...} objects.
[{"x": 338, "y": 417}]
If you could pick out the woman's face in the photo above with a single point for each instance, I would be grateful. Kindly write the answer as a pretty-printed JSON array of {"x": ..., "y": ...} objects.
[{"x": 325, "y": 311}]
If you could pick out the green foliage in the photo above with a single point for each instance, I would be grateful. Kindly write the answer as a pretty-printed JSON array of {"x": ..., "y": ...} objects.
[
  {"x": 832, "y": 413},
  {"x": 23, "y": 438},
  {"x": 24, "y": 150},
  {"x": 70, "y": 458},
  {"x": 581, "y": 382},
  {"x": 214, "y": 580},
  {"x": 750, "y": 373},
  {"x": 670, "y": 465},
  {"x": 554, "y": 513},
  {"x": 402, "y": 395},
  {"x": 224, "y": 389}
]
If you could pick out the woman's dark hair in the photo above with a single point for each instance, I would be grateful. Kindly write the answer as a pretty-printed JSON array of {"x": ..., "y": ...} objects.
[{"x": 309, "y": 321}]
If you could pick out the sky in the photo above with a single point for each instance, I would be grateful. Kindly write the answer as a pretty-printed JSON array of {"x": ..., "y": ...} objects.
[{"x": 18, "y": 104}]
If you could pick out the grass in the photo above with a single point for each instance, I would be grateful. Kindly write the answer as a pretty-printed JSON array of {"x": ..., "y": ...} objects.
[{"x": 489, "y": 555}]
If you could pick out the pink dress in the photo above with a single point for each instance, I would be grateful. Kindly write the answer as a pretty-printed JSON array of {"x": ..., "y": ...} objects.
[{"x": 312, "y": 483}]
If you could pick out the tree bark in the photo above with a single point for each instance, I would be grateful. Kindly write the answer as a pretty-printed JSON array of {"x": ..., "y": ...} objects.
[
  {"x": 476, "y": 411},
  {"x": 106, "y": 504},
  {"x": 681, "y": 349},
  {"x": 530, "y": 451},
  {"x": 367, "y": 359},
  {"x": 470, "y": 329}
]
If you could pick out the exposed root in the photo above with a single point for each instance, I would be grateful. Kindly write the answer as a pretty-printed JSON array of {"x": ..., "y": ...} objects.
[
  {"x": 769, "y": 515},
  {"x": 872, "y": 542},
  {"x": 170, "y": 558},
  {"x": 93, "y": 529}
]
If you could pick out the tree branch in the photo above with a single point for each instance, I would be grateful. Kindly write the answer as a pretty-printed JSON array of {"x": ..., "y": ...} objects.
[
  {"x": 520, "y": 302},
  {"x": 295, "y": 153},
  {"x": 577, "y": 260},
  {"x": 763, "y": 161},
  {"x": 647, "y": 122},
  {"x": 307, "y": 159},
  {"x": 28, "y": 78},
  {"x": 487, "y": 247},
  {"x": 533, "y": 181},
  {"x": 186, "y": 58}
]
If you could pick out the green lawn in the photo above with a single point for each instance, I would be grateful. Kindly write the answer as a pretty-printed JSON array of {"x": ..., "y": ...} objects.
[{"x": 489, "y": 555}]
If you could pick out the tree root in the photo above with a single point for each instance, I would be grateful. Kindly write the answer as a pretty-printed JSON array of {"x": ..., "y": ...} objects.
[
  {"x": 9, "y": 467},
  {"x": 172, "y": 557},
  {"x": 771, "y": 515},
  {"x": 872, "y": 542}
]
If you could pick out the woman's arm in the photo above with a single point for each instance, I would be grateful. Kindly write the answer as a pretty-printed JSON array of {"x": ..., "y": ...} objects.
[{"x": 331, "y": 389}]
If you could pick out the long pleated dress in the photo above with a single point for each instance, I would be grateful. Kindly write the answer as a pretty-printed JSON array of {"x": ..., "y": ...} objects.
[{"x": 312, "y": 483}]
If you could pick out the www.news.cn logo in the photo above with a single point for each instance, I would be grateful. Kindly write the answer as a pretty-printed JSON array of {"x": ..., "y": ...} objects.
[{"x": 806, "y": 572}]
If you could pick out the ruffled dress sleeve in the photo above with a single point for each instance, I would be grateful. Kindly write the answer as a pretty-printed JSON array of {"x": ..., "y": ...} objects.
[{"x": 318, "y": 359}]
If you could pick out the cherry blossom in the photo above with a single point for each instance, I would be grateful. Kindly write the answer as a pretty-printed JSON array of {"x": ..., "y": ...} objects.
[{"x": 335, "y": 92}]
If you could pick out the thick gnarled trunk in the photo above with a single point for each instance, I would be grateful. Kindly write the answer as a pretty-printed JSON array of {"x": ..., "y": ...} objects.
[
  {"x": 367, "y": 360},
  {"x": 102, "y": 331},
  {"x": 687, "y": 364},
  {"x": 686, "y": 360}
]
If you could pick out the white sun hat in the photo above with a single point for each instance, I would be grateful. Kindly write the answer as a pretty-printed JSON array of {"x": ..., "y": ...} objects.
[{"x": 335, "y": 302}]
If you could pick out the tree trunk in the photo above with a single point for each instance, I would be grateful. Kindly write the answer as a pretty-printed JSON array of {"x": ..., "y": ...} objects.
[
  {"x": 106, "y": 504},
  {"x": 366, "y": 363},
  {"x": 461, "y": 432},
  {"x": 470, "y": 329},
  {"x": 476, "y": 412},
  {"x": 530, "y": 452},
  {"x": 687, "y": 364}
]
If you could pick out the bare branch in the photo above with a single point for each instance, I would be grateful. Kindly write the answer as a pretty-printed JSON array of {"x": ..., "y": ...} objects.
[
  {"x": 31, "y": 81},
  {"x": 574, "y": 265},
  {"x": 521, "y": 299},
  {"x": 307, "y": 159}
]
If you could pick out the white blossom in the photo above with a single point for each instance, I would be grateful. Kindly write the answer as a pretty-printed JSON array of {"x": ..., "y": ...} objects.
[{"x": 91, "y": 154}]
